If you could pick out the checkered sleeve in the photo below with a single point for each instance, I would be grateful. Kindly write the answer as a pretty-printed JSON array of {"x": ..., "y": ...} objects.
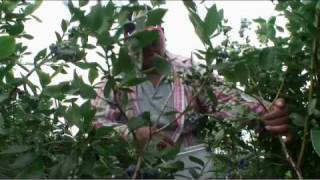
[
  {"x": 107, "y": 114},
  {"x": 232, "y": 103}
]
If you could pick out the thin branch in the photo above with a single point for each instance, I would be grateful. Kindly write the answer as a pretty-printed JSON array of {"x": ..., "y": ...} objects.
[
  {"x": 285, "y": 150},
  {"x": 283, "y": 146},
  {"x": 164, "y": 106},
  {"x": 315, "y": 77},
  {"x": 185, "y": 111}
]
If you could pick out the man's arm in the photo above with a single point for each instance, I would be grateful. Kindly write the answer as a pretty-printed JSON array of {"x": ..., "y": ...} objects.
[
  {"x": 108, "y": 113},
  {"x": 275, "y": 119}
]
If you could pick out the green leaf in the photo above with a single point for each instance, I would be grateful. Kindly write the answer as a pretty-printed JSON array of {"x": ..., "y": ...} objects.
[
  {"x": 170, "y": 153},
  {"x": 196, "y": 160},
  {"x": 58, "y": 36},
  {"x": 35, "y": 171},
  {"x": 7, "y": 46},
  {"x": 190, "y": 5},
  {"x": 154, "y": 17},
  {"x": 93, "y": 74},
  {"x": 135, "y": 81},
  {"x": 36, "y": 18},
  {"x": 157, "y": 2},
  {"x": 162, "y": 66},
  {"x": 219, "y": 136},
  {"x": 103, "y": 131},
  {"x": 88, "y": 163},
  {"x": 3, "y": 97},
  {"x": 32, "y": 7},
  {"x": 146, "y": 37},
  {"x": 108, "y": 87},
  {"x": 88, "y": 114},
  {"x": 211, "y": 96},
  {"x": 79, "y": 87},
  {"x": 86, "y": 65},
  {"x": 312, "y": 106},
  {"x": 95, "y": 18},
  {"x": 259, "y": 20},
  {"x": 23, "y": 160},
  {"x": 28, "y": 36},
  {"x": 139, "y": 121},
  {"x": 15, "y": 29},
  {"x": 41, "y": 54},
  {"x": 212, "y": 20},
  {"x": 57, "y": 91},
  {"x": 241, "y": 72},
  {"x": 83, "y": 2},
  {"x": 297, "y": 119},
  {"x": 123, "y": 63},
  {"x": 73, "y": 115},
  {"x": 315, "y": 138},
  {"x": 199, "y": 26},
  {"x": 279, "y": 28},
  {"x": 9, "y": 6},
  {"x": 267, "y": 58},
  {"x": 13, "y": 149},
  {"x": 64, "y": 25},
  {"x": 68, "y": 164},
  {"x": 43, "y": 77}
]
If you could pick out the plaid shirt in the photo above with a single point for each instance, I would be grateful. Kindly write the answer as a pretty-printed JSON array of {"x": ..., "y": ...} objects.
[{"x": 108, "y": 114}]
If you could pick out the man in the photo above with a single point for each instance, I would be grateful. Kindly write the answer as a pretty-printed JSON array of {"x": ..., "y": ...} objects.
[{"x": 159, "y": 97}]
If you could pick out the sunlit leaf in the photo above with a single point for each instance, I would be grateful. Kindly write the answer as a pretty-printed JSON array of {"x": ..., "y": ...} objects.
[
  {"x": 15, "y": 29},
  {"x": 155, "y": 17},
  {"x": 190, "y": 5},
  {"x": 34, "y": 171},
  {"x": 157, "y": 2},
  {"x": 7, "y": 46},
  {"x": 93, "y": 74},
  {"x": 83, "y": 2},
  {"x": 13, "y": 149},
  {"x": 32, "y": 7},
  {"x": 43, "y": 77},
  {"x": 64, "y": 25},
  {"x": 212, "y": 20},
  {"x": 315, "y": 136},
  {"x": 162, "y": 66}
]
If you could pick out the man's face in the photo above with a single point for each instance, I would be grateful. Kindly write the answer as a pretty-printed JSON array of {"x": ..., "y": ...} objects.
[{"x": 155, "y": 48}]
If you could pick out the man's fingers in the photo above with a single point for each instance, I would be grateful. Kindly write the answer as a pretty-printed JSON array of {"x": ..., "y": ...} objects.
[
  {"x": 280, "y": 103},
  {"x": 275, "y": 114},
  {"x": 277, "y": 121},
  {"x": 278, "y": 129}
]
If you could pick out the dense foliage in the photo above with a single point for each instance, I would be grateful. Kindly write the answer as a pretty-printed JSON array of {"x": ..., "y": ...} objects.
[{"x": 37, "y": 115}]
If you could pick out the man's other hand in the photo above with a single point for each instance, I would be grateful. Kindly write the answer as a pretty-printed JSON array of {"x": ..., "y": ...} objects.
[
  {"x": 144, "y": 134},
  {"x": 277, "y": 119}
]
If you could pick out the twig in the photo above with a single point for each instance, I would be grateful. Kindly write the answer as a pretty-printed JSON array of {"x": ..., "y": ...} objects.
[
  {"x": 135, "y": 174},
  {"x": 164, "y": 106},
  {"x": 284, "y": 148},
  {"x": 289, "y": 159},
  {"x": 185, "y": 111},
  {"x": 116, "y": 105}
]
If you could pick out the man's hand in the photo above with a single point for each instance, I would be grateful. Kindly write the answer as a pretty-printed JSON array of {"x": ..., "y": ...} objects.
[
  {"x": 277, "y": 119},
  {"x": 144, "y": 134}
]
